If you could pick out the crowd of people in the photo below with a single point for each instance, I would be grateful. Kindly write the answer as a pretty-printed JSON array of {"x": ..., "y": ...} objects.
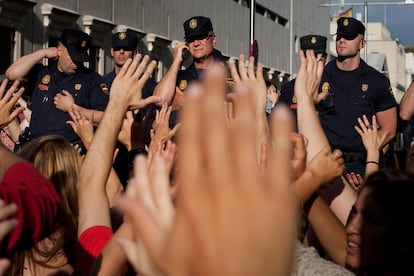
[{"x": 210, "y": 171}]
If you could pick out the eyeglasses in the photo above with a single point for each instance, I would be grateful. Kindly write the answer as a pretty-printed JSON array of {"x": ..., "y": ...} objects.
[
  {"x": 119, "y": 48},
  {"x": 200, "y": 38}
]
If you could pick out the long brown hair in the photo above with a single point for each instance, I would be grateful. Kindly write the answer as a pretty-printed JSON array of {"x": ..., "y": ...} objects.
[{"x": 59, "y": 162}]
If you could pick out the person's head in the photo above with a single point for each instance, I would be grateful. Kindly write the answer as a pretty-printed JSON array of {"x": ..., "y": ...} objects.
[
  {"x": 73, "y": 50},
  {"x": 271, "y": 86},
  {"x": 378, "y": 231},
  {"x": 57, "y": 160},
  {"x": 123, "y": 47},
  {"x": 349, "y": 37},
  {"x": 199, "y": 37},
  {"x": 317, "y": 43}
]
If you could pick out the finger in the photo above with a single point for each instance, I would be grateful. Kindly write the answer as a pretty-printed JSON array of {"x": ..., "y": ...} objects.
[
  {"x": 16, "y": 112},
  {"x": 73, "y": 125},
  {"x": 66, "y": 93},
  {"x": 142, "y": 185},
  {"x": 145, "y": 226},
  {"x": 125, "y": 68},
  {"x": 191, "y": 127},
  {"x": 233, "y": 71},
  {"x": 242, "y": 68},
  {"x": 134, "y": 67},
  {"x": 160, "y": 190},
  {"x": 216, "y": 140},
  {"x": 173, "y": 132},
  {"x": 150, "y": 100},
  {"x": 7, "y": 210},
  {"x": 281, "y": 128},
  {"x": 130, "y": 249},
  {"x": 259, "y": 72},
  {"x": 6, "y": 226},
  {"x": 141, "y": 67},
  {"x": 3, "y": 88},
  {"x": 148, "y": 73},
  {"x": 250, "y": 68}
]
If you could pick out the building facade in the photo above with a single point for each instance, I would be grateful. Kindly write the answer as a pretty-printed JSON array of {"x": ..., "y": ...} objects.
[{"x": 28, "y": 25}]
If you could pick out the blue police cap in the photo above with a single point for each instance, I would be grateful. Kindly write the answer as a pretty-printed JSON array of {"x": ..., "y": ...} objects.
[
  {"x": 349, "y": 28},
  {"x": 127, "y": 40},
  {"x": 317, "y": 43},
  {"x": 197, "y": 27},
  {"x": 77, "y": 43}
]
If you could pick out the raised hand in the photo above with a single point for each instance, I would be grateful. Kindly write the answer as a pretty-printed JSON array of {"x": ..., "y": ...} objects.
[
  {"x": 130, "y": 81},
  {"x": 355, "y": 180},
  {"x": 81, "y": 125},
  {"x": 161, "y": 132},
  {"x": 226, "y": 207},
  {"x": 371, "y": 139},
  {"x": 8, "y": 99}
]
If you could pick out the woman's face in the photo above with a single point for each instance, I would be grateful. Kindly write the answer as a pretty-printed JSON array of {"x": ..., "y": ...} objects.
[{"x": 366, "y": 232}]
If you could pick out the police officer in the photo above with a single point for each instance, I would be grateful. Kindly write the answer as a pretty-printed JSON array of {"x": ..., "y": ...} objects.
[
  {"x": 124, "y": 46},
  {"x": 355, "y": 89},
  {"x": 314, "y": 42},
  {"x": 66, "y": 75},
  {"x": 200, "y": 41}
]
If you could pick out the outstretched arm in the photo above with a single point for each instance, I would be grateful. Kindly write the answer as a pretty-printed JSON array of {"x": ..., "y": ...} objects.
[{"x": 125, "y": 94}]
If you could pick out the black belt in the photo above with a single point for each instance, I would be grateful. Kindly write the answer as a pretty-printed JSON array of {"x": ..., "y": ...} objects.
[{"x": 353, "y": 156}]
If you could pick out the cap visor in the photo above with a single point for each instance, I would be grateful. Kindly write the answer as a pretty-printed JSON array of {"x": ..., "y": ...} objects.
[
  {"x": 77, "y": 56},
  {"x": 196, "y": 36},
  {"x": 346, "y": 36}
]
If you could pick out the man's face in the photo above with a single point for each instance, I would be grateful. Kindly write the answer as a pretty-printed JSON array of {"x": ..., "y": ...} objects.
[
  {"x": 201, "y": 47},
  {"x": 65, "y": 62},
  {"x": 349, "y": 47},
  {"x": 121, "y": 54}
]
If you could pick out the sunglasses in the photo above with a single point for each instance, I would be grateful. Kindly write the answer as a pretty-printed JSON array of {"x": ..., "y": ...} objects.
[
  {"x": 202, "y": 38},
  {"x": 126, "y": 49}
]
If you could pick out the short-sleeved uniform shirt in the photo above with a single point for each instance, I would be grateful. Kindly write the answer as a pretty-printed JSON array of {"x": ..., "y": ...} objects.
[
  {"x": 364, "y": 91},
  {"x": 86, "y": 88}
]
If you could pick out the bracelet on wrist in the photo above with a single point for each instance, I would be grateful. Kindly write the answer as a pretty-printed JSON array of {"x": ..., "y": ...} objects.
[{"x": 372, "y": 162}]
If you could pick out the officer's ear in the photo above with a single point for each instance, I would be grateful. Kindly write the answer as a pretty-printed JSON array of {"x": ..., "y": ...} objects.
[
  {"x": 214, "y": 40},
  {"x": 362, "y": 43},
  {"x": 59, "y": 49}
]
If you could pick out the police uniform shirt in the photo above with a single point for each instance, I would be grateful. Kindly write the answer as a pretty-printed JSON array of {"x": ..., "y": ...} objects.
[
  {"x": 185, "y": 77},
  {"x": 85, "y": 87},
  {"x": 365, "y": 93}
]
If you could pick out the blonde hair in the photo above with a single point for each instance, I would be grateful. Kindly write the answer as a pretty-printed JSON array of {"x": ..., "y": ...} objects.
[{"x": 60, "y": 163}]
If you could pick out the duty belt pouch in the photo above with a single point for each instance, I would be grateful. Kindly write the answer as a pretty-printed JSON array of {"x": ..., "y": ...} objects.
[{"x": 354, "y": 157}]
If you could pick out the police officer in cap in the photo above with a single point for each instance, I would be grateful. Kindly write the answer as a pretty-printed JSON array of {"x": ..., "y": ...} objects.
[
  {"x": 314, "y": 42},
  {"x": 355, "y": 89},
  {"x": 64, "y": 82},
  {"x": 200, "y": 41},
  {"x": 124, "y": 46}
]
